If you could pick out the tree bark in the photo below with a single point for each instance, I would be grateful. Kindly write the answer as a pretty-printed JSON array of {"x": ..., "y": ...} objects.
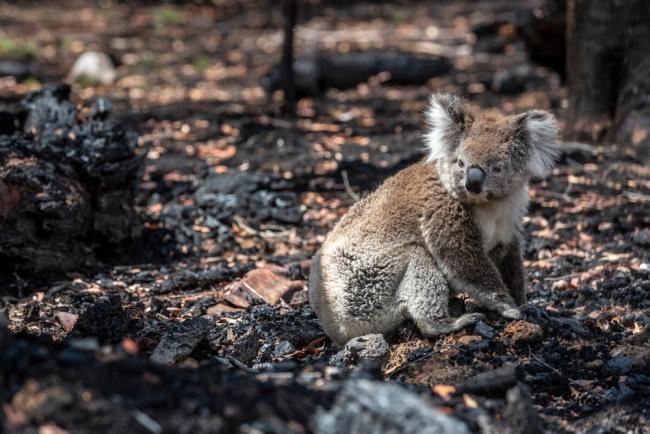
[
  {"x": 289, "y": 10},
  {"x": 608, "y": 71}
]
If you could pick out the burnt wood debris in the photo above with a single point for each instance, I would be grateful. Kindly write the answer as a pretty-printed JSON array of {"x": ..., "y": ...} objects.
[{"x": 157, "y": 230}]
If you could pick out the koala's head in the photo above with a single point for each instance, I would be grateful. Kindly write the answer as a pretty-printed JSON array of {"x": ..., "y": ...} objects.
[{"x": 483, "y": 155}]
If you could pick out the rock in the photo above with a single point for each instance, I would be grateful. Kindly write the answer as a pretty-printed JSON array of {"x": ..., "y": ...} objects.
[
  {"x": 85, "y": 344},
  {"x": 179, "y": 342},
  {"x": 519, "y": 415},
  {"x": 284, "y": 347},
  {"x": 594, "y": 364},
  {"x": 265, "y": 352},
  {"x": 372, "y": 349},
  {"x": 570, "y": 323},
  {"x": 94, "y": 67},
  {"x": 642, "y": 238},
  {"x": 523, "y": 332},
  {"x": 371, "y": 407},
  {"x": 484, "y": 330},
  {"x": 492, "y": 383},
  {"x": 619, "y": 365},
  {"x": 618, "y": 281},
  {"x": 109, "y": 320},
  {"x": 246, "y": 346}
]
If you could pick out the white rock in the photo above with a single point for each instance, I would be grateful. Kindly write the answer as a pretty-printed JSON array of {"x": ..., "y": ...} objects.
[
  {"x": 94, "y": 66},
  {"x": 372, "y": 407}
]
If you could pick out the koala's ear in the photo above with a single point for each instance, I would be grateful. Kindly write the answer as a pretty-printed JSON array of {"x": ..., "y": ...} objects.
[
  {"x": 447, "y": 116},
  {"x": 538, "y": 130}
]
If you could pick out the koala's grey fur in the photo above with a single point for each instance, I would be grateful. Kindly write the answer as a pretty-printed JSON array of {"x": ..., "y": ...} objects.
[{"x": 402, "y": 251}]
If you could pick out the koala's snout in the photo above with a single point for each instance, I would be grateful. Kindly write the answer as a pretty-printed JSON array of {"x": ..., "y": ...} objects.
[{"x": 474, "y": 179}]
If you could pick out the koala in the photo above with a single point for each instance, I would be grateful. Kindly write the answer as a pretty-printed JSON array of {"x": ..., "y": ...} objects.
[{"x": 448, "y": 224}]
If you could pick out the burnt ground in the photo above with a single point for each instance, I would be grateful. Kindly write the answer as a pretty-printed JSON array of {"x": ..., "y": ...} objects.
[{"x": 203, "y": 325}]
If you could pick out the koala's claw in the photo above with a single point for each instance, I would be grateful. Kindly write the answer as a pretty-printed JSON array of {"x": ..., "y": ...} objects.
[
  {"x": 469, "y": 319},
  {"x": 511, "y": 313}
]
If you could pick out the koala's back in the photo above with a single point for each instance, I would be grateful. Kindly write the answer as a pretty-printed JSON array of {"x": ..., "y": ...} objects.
[{"x": 364, "y": 258}]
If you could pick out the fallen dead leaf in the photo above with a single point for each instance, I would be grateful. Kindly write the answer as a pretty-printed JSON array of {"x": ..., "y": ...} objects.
[
  {"x": 67, "y": 320},
  {"x": 266, "y": 284},
  {"x": 443, "y": 390},
  {"x": 312, "y": 348},
  {"x": 469, "y": 401}
]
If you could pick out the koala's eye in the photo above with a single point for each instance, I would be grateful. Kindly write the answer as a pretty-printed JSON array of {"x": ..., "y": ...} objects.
[
  {"x": 461, "y": 163},
  {"x": 498, "y": 168}
]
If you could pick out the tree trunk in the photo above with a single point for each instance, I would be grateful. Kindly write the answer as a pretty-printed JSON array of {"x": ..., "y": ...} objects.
[
  {"x": 289, "y": 10},
  {"x": 608, "y": 70}
]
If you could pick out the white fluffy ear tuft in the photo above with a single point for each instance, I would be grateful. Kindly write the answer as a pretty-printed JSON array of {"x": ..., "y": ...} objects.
[
  {"x": 445, "y": 116},
  {"x": 541, "y": 130}
]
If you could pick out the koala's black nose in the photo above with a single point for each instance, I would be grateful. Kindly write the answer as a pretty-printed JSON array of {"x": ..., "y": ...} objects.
[{"x": 474, "y": 179}]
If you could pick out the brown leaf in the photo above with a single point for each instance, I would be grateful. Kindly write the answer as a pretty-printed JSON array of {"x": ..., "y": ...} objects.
[
  {"x": 311, "y": 348},
  {"x": 67, "y": 320},
  {"x": 469, "y": 401},
  {"x": 236, "y": 295},
  {"x": 220, "y": 309},
  {"x": 266, "y": 284},
  {"x": 444, "y": 390}
]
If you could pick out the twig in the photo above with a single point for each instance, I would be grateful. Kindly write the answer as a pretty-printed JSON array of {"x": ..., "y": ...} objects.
[
  {"x": 638, "y": 197},
  {"x": 564, "y": 277},
  {"x": 558, "y": 372},
  {"x": 346, "y": 184},
  {"x": 239, "y": 220}
]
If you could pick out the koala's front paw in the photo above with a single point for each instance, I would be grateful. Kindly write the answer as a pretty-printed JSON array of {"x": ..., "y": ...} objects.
[
  {"x": 469, "y": 319},
  {"x": 509, "y": 312},
  {"x": 512, "y": 313}
]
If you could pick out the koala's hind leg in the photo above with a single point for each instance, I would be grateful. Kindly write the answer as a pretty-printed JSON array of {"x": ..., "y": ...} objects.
[{"x": 424, "y": 297}]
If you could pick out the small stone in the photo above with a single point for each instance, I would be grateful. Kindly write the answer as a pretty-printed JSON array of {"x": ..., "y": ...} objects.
[
  {"x": 259, "y": 367},
  {"x": 85, "y": 344},
  {"x": 101, "y": 108},
  {"x": 624, "y": 393},
  {"x": 618, "y": 281},
  {"x": 619, "y": 365},
  {"x": 484, "y": 330},
  {"x": 94, "y": 66},
  {"x": 246, "y": 346},
  {"x": 284, "y": 347},
  {"x": 523, "y": 332},
  {"x": 594, "y": 364},
  {"x": 642, "y": 238},
  {"x": 369, "y": 348},
  {"x": 179, "y": 342},
  {"x": 570, "y": 323},
  {"x": 265, "y": 352}
]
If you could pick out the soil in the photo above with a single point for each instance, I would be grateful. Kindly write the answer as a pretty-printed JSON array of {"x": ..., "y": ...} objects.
[{"x": 203, "y": 325}]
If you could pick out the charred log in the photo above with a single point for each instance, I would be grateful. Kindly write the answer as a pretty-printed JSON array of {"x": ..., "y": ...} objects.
[
  {"x": 66, "y": 186},
  {"x": 316, "y": 74}
]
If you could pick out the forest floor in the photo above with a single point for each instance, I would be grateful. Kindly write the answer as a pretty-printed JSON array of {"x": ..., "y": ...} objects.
[{"x": 206, "y": 326}]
